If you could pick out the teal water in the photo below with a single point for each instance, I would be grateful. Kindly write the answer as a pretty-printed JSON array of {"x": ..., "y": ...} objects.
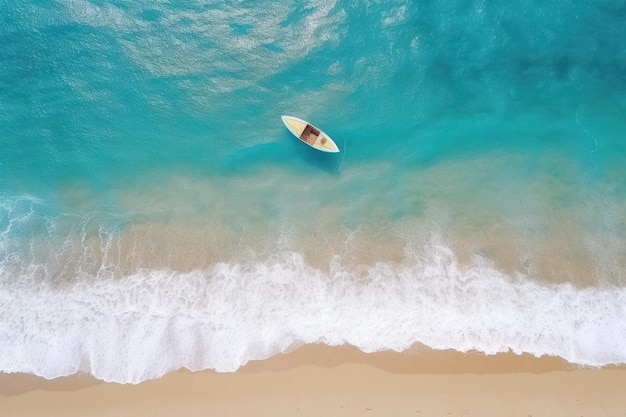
[{"x": 156, "y": 214}]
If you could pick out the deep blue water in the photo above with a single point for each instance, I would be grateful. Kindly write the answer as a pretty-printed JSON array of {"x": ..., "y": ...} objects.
[{"x": 149, "y": 188}]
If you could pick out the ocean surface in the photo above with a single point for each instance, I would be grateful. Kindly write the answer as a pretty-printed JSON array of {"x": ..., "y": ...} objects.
[{"x": 156, "y": 214}]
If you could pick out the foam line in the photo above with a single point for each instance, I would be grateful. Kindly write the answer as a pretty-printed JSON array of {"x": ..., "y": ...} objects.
[{"x": 153, "y": 322}]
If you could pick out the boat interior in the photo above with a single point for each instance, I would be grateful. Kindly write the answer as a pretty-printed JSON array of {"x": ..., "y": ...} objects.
[{"x": 310, "y": 134}]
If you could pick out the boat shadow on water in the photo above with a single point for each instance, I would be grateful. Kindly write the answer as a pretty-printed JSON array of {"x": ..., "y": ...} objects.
[
  {"x": 327, "y": 162},
  {"x": 294, "y": 155}
]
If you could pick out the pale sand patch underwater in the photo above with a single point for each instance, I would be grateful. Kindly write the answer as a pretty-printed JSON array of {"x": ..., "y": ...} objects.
[{"x": 341, "y": 381}]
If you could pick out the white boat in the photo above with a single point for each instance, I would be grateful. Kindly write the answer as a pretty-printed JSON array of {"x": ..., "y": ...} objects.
[{"x": 310, "y": 135}]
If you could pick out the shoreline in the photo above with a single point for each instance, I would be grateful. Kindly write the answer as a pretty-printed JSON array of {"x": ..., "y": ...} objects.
[{"x": 319, "y": 380}]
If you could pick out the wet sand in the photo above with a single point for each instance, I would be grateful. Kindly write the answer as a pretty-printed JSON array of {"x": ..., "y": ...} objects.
[{"x": 339, "y": 381}]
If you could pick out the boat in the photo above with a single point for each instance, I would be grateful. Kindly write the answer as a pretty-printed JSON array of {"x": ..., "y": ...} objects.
[{"x": 310, "y": 134}]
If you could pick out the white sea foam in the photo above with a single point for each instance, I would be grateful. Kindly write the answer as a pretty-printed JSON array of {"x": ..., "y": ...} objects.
[{"x": 152, "y": 322}]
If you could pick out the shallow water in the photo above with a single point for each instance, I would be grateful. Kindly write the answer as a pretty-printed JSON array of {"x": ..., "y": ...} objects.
[{"x": 155, "y": 213}]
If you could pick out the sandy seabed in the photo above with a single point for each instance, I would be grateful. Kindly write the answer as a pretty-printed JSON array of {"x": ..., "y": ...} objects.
[{"x": 339, "y": 381}]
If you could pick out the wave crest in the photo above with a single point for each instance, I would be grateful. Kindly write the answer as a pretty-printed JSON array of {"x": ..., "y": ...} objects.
[{"x": 155, "y": 321}]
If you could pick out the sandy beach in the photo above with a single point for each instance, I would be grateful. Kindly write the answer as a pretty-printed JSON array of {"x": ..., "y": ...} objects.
[{"x": 338, "y": 381}]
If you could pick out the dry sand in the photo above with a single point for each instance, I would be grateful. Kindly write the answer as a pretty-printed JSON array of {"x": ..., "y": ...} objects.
[{"x": 323, "y": 381}]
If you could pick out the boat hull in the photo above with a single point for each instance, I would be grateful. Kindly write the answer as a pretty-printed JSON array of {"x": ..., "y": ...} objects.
[{"x": 310, "y": 134}]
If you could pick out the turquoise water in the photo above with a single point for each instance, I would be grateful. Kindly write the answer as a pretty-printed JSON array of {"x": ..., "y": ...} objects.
[{"x": 156, "y": 214}]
